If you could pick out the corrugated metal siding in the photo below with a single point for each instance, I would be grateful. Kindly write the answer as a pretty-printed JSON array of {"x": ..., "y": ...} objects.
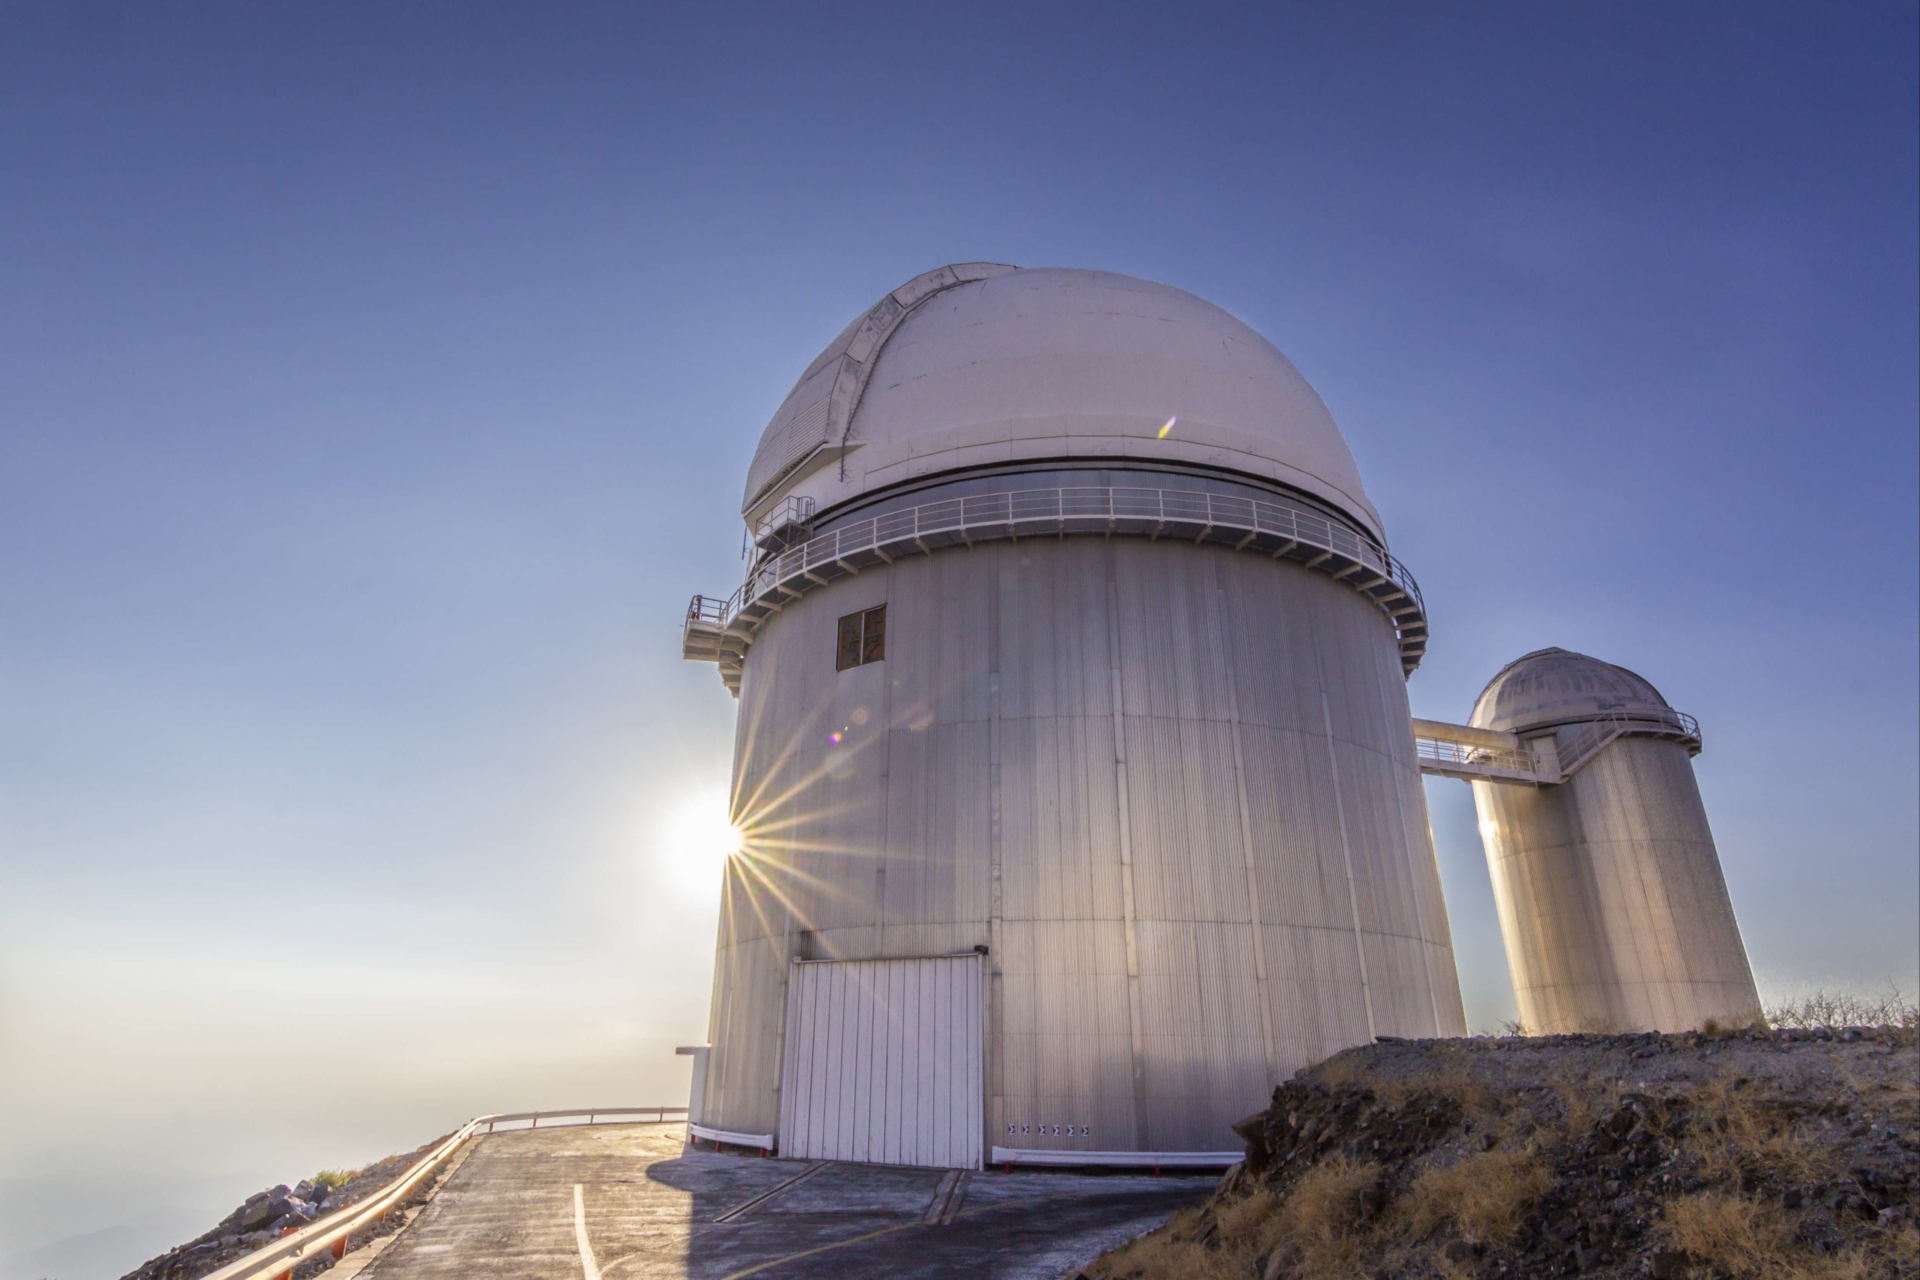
[
  {"x": 885, "y": 844},
  {"x": 883, "y": 1062}
]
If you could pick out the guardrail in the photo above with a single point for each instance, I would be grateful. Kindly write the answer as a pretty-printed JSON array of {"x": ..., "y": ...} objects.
[
  {"x": 1317, "y": 542},
  {"x": 1472, "y": 760},
  {"x": 708, "y": 609},
  {"x": 331, "y": 1232},
  {"x": 1467, "y": 753},
  {"x": 1591, "y": 736}
]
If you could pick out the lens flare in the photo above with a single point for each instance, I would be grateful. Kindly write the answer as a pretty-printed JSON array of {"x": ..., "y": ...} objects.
[
  {"x": 1169, "y": 426},
  {"x": 696, "y": 841}
]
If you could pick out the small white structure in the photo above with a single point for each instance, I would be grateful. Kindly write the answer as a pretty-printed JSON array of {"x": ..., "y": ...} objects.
[{"x": 1071, "y": 656}]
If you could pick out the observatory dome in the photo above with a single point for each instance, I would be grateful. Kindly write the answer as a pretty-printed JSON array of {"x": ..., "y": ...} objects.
[
  {"x": 982, "y": 365},
  {"x": 1074, "y": 768},
  {"x": 1550, "y": 687}
]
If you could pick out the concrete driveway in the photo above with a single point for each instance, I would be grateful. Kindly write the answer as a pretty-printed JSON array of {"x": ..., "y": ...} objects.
[{"x": 623, "y": 1202}]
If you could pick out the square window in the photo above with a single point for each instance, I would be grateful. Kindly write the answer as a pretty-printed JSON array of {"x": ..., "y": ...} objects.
[{"x": 862, "y": 639}]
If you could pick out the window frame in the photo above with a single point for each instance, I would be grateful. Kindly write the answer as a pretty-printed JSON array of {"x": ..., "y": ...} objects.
[{"x": 860, "y": 638}]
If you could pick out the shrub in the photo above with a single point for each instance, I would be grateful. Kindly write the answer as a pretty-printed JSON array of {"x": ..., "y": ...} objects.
[
  {"x": 1727, "y": 1233},
  {"x": 1825, "y": 1010},
  {"x": 1484, "y": 1197},
  {"x": 1315, "y": 1227}
]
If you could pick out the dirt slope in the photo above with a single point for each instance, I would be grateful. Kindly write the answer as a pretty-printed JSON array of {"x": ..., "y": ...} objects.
[{"x": 1758, "y": 1154}]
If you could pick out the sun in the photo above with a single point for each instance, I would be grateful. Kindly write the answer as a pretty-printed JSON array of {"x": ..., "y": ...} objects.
[{"x": 699, "y": 837}]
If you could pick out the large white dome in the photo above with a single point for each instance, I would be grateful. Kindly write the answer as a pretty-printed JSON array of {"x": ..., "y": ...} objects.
[{"x": 982, "y": 365}]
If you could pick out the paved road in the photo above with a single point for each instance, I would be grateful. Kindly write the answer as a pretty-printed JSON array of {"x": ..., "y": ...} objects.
[{"x": 524, "y": 1204}]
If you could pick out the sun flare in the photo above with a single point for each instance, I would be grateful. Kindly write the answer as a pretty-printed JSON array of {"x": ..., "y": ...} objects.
[
  {"x": 702, "y": 832},
  {"x": 695, "y": 842}
]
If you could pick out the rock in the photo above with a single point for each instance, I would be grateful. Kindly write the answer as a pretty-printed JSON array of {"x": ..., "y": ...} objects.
[
  {"x": 1253, "y": 1132},
  {"x": 1820, "y": 1232},
  {"x": 1671, "y": 1264}
]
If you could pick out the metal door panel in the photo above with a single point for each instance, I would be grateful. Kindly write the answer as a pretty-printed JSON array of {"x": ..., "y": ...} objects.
[{"x": 883, "y": 1062}]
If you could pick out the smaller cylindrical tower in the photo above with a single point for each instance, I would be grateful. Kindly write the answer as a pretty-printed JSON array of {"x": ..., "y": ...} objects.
[{"x": 1612, "y": 903}]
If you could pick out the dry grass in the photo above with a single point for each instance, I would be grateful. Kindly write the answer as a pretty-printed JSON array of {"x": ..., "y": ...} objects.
[
  {"x": 1726, "y": 1235},
  {"x": 1484, "y": 1197},
  {"x": 1726, "y": 1232},
  {"x": 1321, "y": 1230},
  {"x": 1742, "y": 1131},
  {"x": 1453, "y": 1210},
  {"x": 1315, "y": 1228},
  {"x": 1168, "y": 1253}
]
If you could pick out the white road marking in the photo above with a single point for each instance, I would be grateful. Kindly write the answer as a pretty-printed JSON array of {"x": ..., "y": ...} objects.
[{"x": 587, "y": 1263}]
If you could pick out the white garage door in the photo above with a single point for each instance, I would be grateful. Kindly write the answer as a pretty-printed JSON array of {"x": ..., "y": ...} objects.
[{"x": 883, "y": 1062}]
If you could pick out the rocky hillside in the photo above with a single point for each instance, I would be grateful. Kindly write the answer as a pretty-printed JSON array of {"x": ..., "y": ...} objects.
[
  {"x": 266, "y": 1214},
  {"x": 1758, "y": 1154}
]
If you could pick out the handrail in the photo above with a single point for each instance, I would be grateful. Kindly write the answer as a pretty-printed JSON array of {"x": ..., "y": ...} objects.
[
  {"x": 708, "y": 609},
  {"x": 1066, "y": 506},
  {"x": 1466, "y": 755},
  {"x": 288, "y": 1252},
  {"x": 1590, "y": 736},
  {"x": 1059, "y": 512}
]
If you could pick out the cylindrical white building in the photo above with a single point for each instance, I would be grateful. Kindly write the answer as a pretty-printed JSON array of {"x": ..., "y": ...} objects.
[
  {"x": 1074, "y": 758},
  {"x": 1611, "y": 898}
]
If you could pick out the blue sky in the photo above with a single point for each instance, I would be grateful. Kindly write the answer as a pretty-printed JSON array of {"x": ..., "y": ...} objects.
[{"x": 376, "y": 384}]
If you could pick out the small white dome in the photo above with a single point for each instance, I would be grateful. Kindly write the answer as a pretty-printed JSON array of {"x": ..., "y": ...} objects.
[
  {"x": 1557, "y": 686},
  {"x": 984, "y": 365}
]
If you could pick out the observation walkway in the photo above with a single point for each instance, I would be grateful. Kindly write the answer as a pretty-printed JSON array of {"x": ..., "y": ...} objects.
[
  {"x": 721, "y": 631},
  {"x": 1461, "y": 751}
]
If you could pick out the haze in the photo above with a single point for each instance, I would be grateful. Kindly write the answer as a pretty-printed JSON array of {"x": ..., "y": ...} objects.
[{"x": 377, "y": 384}]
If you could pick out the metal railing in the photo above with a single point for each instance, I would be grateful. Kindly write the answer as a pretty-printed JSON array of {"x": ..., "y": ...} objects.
[
  {"x": 1452, "y": 750},
  {"x": 1590, "y": 737},
  {"x": 1027, "y": 513},
  {"x": 1471, "y": 758},
  {"x": 332, "y": 1231}
]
